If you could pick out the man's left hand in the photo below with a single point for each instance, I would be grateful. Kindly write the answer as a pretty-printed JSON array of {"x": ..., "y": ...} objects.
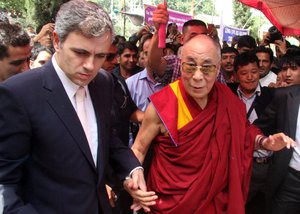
[{"x": 278, "y": 141}]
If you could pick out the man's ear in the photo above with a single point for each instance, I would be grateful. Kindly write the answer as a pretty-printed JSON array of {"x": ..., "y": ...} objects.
[{"x": 56, "y": 41}]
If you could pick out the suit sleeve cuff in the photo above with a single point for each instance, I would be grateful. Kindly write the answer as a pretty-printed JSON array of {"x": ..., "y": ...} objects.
[{"x": 130, "y": 174}]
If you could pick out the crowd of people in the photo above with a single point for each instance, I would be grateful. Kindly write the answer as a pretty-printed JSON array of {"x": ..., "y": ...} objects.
[{"x": 91, "y": 122}]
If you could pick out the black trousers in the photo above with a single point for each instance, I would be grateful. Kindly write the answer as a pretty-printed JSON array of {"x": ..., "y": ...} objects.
[
  {"x": 257, "y": 200},
  {"x": 287, "y": 199}
]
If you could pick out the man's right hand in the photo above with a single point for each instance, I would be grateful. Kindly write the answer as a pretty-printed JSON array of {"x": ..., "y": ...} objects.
[
  {"x": 160, "y": 15},
  {"x": 136, "y": 187}
]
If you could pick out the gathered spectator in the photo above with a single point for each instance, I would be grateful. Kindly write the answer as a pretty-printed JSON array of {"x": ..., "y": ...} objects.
[
  {"x": 265, "y": 57},
  {"x": 246, "y": 43},
  {"x": 40, "y": 55},
  {"x": 15, "y": 50}
]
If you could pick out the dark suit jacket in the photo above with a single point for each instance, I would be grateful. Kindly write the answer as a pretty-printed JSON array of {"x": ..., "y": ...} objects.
[
  {"x": 281, "y": 116},
  {"x": 260, "y": 102},
  {"x": 45, "y": 162}
]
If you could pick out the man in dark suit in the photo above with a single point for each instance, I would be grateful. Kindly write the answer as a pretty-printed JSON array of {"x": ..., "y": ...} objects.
[
  {"x": 51, "y": 159},
  {"x": 282, "y": 115},
  {"x": 256, "y": 99}
]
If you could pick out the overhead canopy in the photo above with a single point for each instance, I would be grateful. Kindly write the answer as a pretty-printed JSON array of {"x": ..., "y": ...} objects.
[{"x": 284, "y": 14}]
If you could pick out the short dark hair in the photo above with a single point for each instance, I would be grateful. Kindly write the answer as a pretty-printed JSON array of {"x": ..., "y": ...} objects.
[
  {"x": 193, "y": 22},
  {"x": 246, "y": 41},
  {"x": 144, "y": 39},
  {"x": 11, "y": 35},
  {"x": 229, "y": 50},
  {"x": 263, "y": 49},
  {"x": 244, "y": 59},
  {"x": 291, "y": 57},
  {"x": 126, "y": 45},
  {"x": 37, "y": 49}
]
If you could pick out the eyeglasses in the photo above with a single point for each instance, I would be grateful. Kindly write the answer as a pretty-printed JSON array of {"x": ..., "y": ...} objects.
[
  {"x": 191, "y": 68},
  {"x": 110, "y": 56},
  {"x": 286, "y": 67}
]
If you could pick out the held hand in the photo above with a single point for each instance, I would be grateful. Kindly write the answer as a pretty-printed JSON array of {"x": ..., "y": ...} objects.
[
  {"x": 277, "y": 142},
  {"x": 136, "y": 187},
  {"x": 160, "y": 15}
]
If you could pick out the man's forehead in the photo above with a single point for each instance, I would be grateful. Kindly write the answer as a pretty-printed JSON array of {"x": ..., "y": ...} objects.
[
  {"x": 129, "y": 52},
  {"x": 19, "y": 51},
  {"x": 229, "y": 54}
]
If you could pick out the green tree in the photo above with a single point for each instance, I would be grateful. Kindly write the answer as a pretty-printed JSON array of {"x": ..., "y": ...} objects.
[
  {"x": 241, "y": 15},
  {"x": 16, "y": 7},
  {"x": 244, "y": 18},
  {"x": 45, "y": 11}
]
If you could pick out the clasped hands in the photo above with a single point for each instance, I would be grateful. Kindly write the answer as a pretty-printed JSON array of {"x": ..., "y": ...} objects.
[{"x": 136, "y": 187}]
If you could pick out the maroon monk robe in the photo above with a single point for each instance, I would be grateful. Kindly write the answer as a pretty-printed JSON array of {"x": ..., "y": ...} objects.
[{"x": 206, "y": 166}]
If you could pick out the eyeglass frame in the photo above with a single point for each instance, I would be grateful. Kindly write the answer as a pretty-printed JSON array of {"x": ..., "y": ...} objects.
[{"x": 198, "y": 67}]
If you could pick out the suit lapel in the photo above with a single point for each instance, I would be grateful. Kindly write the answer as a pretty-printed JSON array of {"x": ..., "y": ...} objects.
[
  {"x": 61, "y": 105},
  {"x": 293, "y": 101}
]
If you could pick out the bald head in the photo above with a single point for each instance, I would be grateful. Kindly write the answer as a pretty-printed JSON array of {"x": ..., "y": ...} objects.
[{"x": 202, "y": 45}]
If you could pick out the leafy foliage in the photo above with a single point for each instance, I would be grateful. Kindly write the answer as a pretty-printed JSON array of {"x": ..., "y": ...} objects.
[{"x": 241, "y": 15}]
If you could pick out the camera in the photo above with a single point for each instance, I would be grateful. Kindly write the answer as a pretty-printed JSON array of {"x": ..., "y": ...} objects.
[{"x": 274, "y": 34}]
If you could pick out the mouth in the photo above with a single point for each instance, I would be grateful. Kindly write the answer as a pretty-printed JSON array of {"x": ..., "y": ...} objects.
[{"x": 84, "y": 75}]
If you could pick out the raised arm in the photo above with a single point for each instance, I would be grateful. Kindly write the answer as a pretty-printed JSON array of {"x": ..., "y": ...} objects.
[{"x": 155, "y": 54}]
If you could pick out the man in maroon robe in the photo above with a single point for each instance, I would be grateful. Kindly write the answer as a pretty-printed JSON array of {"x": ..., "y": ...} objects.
[{"x": 203, "y": 142}]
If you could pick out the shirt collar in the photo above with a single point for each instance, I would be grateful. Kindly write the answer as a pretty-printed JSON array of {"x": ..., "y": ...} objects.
[
  {"x": 70, "y": 87},
  {"x": 256, "y": 92}
]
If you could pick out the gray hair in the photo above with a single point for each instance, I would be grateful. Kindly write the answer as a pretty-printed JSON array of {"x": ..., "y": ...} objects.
[{"x": 86, "y": 18}]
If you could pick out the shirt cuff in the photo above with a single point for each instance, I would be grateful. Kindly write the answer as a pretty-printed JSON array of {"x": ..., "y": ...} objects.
[{"x": 130, "y": 174}]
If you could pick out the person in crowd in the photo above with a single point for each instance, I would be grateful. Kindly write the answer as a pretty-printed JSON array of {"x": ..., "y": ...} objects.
[
  {"x": 44, "y": 37},
  {"x": 173, "y": 34},
  {"x": 167, "y": 69},
  {"x": 127, "y": 58},
  {"x": 227, "y": 74},
  {"x": 141, "y": 60},
  {"x": 203, "y": 142},
  {"x": 265, "y": 57},
  {"x": 40, "y": 55},
  {"x": 15, "y": 50},
  {"x": 136, "y": 37},
  {"x": 246, "y": 43},
  {"x": 123, "y": 111},
  {"x": 30, "y": 30},
  {"x": 143, "y": 84},
  {"x": 56, "y": 137},
  {"x": 120, "y": 39},
  {"x": 290, "y": 66},
  {"x": 282, "y": 115},
  {"x": 256, "y": 99}
]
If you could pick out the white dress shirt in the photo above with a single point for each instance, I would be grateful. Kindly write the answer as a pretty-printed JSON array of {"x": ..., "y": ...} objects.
[
  {"x": 71, "y": 89},
  {"x": 295, "y": 160},
  {"x": 269, "y": 78}
]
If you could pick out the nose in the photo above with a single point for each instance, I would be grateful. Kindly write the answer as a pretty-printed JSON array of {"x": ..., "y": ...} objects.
[
  {"x": 89, "y": 64},
  {"x": 198, "y": 75},
  {"x": 288, "y": 72},
  {"x": 260, "y": 63}
]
